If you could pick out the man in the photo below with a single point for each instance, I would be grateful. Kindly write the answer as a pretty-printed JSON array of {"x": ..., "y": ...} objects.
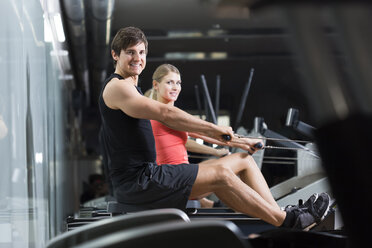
[{"x": 129, "y": 149}]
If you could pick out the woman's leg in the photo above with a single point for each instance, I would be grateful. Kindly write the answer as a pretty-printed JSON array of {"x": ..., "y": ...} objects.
[{"x": 220, "y": 177}]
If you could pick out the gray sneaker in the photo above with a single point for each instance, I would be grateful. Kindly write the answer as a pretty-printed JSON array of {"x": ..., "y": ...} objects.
[
  {"x": 320, "y": 208},
  {"x": 307, "y": 217}
]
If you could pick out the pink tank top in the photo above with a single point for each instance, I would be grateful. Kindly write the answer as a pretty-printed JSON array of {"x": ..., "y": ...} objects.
[{"x": 170, "y": 144}]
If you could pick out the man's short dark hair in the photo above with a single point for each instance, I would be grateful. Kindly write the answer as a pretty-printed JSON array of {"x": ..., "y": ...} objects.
[{"x": 126, "y": 37}]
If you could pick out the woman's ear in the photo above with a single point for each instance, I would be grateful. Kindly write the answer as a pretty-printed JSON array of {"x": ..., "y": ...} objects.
[{"x": 155, "y": 84}]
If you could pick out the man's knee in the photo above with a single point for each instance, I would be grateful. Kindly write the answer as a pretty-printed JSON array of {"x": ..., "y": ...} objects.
[
  {"x": 245, "y": 157},
  {"x": 246, "y": 160},
  {"x": 225, "y": 175}
]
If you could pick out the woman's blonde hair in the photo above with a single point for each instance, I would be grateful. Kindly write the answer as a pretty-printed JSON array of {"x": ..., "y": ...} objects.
[
  {"x": 149, "y": 93},
  {"x": 163, "y": 70},
  {"x": 160, "y": 72}
]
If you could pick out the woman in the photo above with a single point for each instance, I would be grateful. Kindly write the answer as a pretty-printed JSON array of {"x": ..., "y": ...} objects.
[
  {"x": 172, "y": 145},
  {"x": 168, "y": 94}
]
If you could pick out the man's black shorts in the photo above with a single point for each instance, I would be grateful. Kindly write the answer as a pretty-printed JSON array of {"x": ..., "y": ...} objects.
[{"x": 165, "y": 186}]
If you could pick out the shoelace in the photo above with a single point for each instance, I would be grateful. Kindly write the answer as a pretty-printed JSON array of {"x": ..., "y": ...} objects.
[{"x": 299, "y": 205}]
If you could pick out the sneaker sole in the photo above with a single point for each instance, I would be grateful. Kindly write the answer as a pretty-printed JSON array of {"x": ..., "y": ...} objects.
[
  {"x": 327, "y": 210},
  {"x": 309, "y": 227}
]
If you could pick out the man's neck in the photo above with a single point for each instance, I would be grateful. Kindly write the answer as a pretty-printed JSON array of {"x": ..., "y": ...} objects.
[{"x": 124, "y": 75}]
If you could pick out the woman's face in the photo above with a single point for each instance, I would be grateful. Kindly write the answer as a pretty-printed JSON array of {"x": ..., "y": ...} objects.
[{"x": 168, "y": 88}]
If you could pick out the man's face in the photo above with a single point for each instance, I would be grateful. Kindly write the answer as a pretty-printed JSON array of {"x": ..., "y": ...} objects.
[{"x": 132, "y": 60}]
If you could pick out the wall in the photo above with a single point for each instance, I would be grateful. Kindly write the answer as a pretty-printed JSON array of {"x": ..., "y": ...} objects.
[{"x": 34, "y": 160}]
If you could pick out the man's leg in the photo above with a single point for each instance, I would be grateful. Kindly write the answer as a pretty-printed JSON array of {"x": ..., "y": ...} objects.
[
  {"x": 221, "y": 179},
  {"x": 246, "y": 168}
]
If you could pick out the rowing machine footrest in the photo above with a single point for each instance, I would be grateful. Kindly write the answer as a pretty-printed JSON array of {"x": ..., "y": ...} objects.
[
  {"x": 193, "y": 204},
  {"x": 121, "y": 208}
]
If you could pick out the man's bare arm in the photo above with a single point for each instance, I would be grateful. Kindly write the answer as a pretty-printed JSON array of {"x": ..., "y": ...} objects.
[
  {"x": 121, "y": 94},
  {"x": 243, "y": 143}
]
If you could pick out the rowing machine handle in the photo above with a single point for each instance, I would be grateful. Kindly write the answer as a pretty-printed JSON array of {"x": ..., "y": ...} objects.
[{"x": 258, "y": 145}]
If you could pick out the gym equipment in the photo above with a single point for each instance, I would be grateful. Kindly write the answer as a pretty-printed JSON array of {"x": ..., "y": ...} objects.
[
  {"x": 103, "y": 226},
  {"x": 198, "y": 234}
]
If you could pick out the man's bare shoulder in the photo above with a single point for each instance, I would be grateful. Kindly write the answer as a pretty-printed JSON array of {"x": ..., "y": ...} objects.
[
  {"x": 120, "y": 86},
  {"x": 117, "y": 91},
  {"x": 116, "y": 83}
]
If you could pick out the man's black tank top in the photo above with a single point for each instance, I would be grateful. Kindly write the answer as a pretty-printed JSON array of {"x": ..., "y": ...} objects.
[{"x": 128, "y": 142}]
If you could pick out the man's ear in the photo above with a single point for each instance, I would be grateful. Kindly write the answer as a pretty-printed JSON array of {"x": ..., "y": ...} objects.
[{"x": 114, "y": 55}]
